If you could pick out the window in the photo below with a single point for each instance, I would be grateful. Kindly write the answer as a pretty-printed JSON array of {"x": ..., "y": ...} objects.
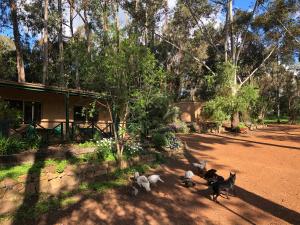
[
  {"x": 78, "y": 114},
  {"x": 32, "y": 112},
  {"x": 17, "y": 105},
  {"x": 81, "y": 116}
]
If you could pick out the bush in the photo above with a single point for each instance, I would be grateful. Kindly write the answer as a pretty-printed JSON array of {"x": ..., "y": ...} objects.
[
  {"x": 194, "y": 127},
  {"x": 172, "y": 141},
  {"x": 13, "y": 145},
  {"x": 167, "y": 139},
  {"x": 159, "y": 140},
  {"x": 105, "y": 149},
  {"x": 180, "y": 127},
  {"x": 133, "y": 149}
]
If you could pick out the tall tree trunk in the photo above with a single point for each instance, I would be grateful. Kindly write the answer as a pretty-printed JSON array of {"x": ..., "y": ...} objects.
[
  {"x": 166, "y": 12},
  {"x": 105, "y": 23},
  {"x": 76, "y": 63},
  {"x": 117, "y": 23},
  {"x": 226, "y": 34},
  {"x": 19, "y": 52},
  {"x": 45, "y": 43},
  {"x": 232, "y": 41},
  {"x": 87, "y": 26},
  {"x": 235, "y": 120},
  {"x": 60, "y": 41},
  {"x": 146, "y": 26}
]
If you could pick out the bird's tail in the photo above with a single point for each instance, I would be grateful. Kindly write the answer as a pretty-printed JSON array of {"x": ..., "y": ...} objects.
[{"x": 161, "y": 180}]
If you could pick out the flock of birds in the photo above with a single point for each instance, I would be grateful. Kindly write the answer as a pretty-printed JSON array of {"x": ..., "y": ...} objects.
[{"x": 218, "y": 184}]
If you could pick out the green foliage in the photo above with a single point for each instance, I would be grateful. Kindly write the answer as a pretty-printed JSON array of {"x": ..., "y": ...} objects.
[
  {"x": 9, "y": 114},
  {"x": 105, "y": 149},
  {"x": 156, "y": 113},
  {"x": 159, "y": 140},
  {"x": 133, "y": 149},
  {"x": 13, "y": 145},
  {"x": 221, "y": 108},
  {"x": 180, "y": 126},
  {"x": 219, "y": 84},
  {"x": 87, "y": 144},
  {"x": 60, "y": 165}
]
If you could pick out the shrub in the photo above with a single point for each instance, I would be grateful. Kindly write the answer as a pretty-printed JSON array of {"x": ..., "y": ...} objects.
[
  {"x": 194, "y": 127},
  {"x": 180, "y": 127},
  {"x": 87, "y": 144},
  {"x": 172, "y": 141},
  {"x": 13, "y": 145},
  {"x": 132, "y": 149},
  {"x": 105, "y": 148},
  {"x": 159, "y": 140}
]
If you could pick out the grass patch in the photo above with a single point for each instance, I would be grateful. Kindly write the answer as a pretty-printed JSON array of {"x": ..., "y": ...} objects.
[
  {"x": 271, "y": 120},
  {"x": 119, "y": 178},
  {"x": 87, "y": 144},
  {"x": 14, "y": 172}
]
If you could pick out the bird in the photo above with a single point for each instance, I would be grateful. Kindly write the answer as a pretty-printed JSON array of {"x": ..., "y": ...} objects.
[
  {"x": 136, "y": 175},
  {"x": 142, "y": 181},
  {"x": 188, "y": 182},
  {"x": 201, "y": 165},
  {"x": 188, "y": 174},
  {"x": 153, "y": 179},
  {"x": 134, "y": 191}
]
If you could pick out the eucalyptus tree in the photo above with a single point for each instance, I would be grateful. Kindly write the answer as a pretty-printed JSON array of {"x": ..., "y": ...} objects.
[{"x": 10, "y": 14}]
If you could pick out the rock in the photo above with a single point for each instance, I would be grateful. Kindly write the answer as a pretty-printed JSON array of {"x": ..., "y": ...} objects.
[
  {"x": 54, "y": 186},
  {"x": 100, "y": 172},
  {"x": 22, "y": 178},
  {"x": 9, "y": 183},
  {"x": 51, "y": 176},
  {"x": 69, "y": 183},
  {"x": 44, "y": 186}
]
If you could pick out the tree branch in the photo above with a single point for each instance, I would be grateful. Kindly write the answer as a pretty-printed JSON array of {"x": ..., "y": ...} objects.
[
  {"x": 244, "y": 34},
  {"x": 177, "y": 47},
  {"x": 202, "y": 29},
  {"x": 77, "y": 11},
  {"x": 254, "y": 71}
]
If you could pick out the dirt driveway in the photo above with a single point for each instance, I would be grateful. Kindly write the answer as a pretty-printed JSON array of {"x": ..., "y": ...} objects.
[{"x": 267, "y": 163}]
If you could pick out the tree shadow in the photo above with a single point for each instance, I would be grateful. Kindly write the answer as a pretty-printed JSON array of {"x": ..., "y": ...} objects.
[
  {"x": 257, "y": 142},
  {"x": 279, "y": 211},
  {"x": 266, "y": 205},
  {"x": 32, "y": 190}
]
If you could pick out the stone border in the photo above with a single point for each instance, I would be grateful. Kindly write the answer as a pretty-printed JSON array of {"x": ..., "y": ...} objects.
[
  {"x": 53, "y": 152},
  {"x": 53, "y": 183}
]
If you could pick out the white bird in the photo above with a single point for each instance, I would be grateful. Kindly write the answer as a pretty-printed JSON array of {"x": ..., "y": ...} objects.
[
  {"x": 142, "y": 181},
  {"x": 201, "y": 165},
  {"x": 153, "y": 179},
  {"x": 136, "y": 175},
  {"x": 135, "y": 191},
  {"x": 188, "y": 174}
]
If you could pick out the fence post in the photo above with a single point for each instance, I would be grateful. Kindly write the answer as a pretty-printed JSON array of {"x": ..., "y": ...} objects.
[
  {"x": 62, "y": 131},
  {"x": 93, "y": 129}
]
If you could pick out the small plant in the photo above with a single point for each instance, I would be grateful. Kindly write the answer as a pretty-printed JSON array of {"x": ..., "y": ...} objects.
[
  {"x": 159, "y": 140},
  {"x": 105, "y": 148},
  {"x": 132, "y": 149},
  {"x": 180, "y": 127},
  {"x": 172, "y": 141},
  {"x": 87, "y": 144},
  {"x": 11, "y": 145}
]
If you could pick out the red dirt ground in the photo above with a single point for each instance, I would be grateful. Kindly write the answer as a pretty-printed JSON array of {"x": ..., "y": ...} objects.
[{"x": 267, "y": 163}]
